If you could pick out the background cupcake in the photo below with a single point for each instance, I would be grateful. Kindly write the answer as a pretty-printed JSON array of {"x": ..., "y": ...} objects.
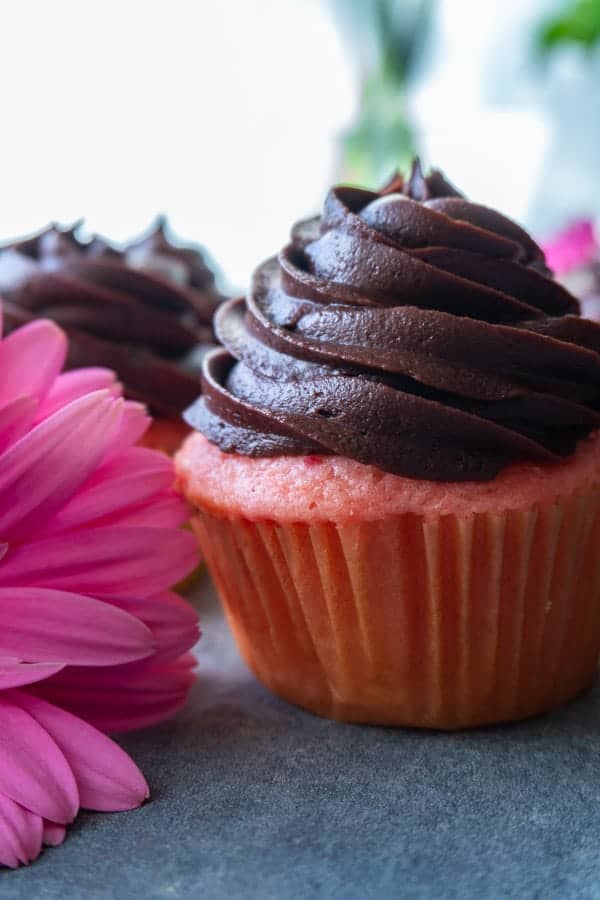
[
  {"x": 397, "y": 475},
  {"x": 144, "y": 311}
]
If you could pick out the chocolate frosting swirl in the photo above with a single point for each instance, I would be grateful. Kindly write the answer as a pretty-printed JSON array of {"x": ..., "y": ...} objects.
[
  {"x": 408, "y": 329},
  {"x": 145, "y": 311}
]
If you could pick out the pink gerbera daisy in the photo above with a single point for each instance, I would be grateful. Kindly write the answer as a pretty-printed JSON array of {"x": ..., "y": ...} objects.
[
  {"x": 572, "y": 248},
  {"x": 91, "y": 637},
  {"x": 574, "y": 257}
]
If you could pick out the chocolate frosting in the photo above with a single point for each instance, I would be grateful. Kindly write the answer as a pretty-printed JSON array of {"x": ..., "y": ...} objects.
[
  {"x": 408, "y": 329},
  {"x": 145, "y": 311}
]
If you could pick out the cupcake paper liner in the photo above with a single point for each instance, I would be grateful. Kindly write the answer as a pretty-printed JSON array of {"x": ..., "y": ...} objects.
[{"x": 444, "y": 622}]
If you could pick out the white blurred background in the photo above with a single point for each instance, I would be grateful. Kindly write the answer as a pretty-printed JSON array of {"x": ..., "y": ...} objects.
[
  {"x": 227, "y": 115},
  {"x": 221, "y": 113}
]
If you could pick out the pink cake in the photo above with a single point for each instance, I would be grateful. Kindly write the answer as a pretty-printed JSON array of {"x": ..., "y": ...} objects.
[{"x": 334, "y": 489}]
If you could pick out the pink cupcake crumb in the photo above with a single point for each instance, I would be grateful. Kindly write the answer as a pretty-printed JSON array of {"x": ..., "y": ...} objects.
[{"x": 331, "y": 488}]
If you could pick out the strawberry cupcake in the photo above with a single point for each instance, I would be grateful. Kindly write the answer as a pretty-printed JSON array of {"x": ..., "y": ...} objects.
[
  {"x": 144, "y": 311},
  {"x": 395, "y": 467}
]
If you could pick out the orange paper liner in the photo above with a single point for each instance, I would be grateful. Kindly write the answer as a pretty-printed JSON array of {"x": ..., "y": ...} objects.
[{"x": 444, "y": 623}]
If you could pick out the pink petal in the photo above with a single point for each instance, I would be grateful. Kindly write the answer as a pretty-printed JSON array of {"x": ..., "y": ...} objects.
[
  {"x": 39, "y": 473},
  {"x": 33, "y": 771},
  {"x": 53, "y": 834},
  {"x": 574, "y": 247},
  {"x": 30, "y": 359},
  {"x": 15, "y": 420},
  {"x": 133, "y": 478},
  {"x": 16, "y": 673},
  {"x": 173, "y": 621},
  {"x": 134, "y": 424},
  {"x": 103, "y": 562},
  {"x": 165, "y": 511},
  {"x": 72, "y": 385},
  {"x": 44, "y": 625},
  {"x": 107, "y": 779},
  {"x": 21, "y": 834},
  {"x": 133, "y": 696}
]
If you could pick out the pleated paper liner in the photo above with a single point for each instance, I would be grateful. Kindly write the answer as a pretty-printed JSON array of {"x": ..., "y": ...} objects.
[{"x": 442, "y": 623}]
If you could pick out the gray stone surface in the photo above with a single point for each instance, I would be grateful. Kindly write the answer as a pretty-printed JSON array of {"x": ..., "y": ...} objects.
[{"x": 256, "y": 800}]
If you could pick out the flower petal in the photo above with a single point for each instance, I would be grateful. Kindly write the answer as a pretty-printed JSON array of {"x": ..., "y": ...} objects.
[
  {"x": 132, "y": 696},
  {"x": 21, "y": 834},
  {"x": 33, "y": 771},
  {"x": 45, "y": 625},
  {"x": 16, "y": 673},
  {"x": 30, "y": 359},
  {"x": 72, "y": 385},
  {"x": 134, "y": 424},
  {"x": 42, "y": 471},
  {"x": 574, "y": 247},
  {"x": 173, "y": 621},
  {"x": 165, "y": 511},
  {"x": 135, "y": 477},
  {"x": 16, "y": 419},
  {"x": 107, "y": 779},
  {"x": 103, "y": 562},
  {"x": 53, "y": 834}
]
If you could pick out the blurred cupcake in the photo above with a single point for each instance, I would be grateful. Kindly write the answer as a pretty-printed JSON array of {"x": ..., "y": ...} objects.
[
  {"x": 396, "y": 473},
  {"x": 144, "y": 311},
  {"x": 574, "y": 257}
]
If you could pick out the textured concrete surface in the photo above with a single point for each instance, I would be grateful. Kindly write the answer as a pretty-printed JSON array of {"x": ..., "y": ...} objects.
[{"x": 256, "y": 800}]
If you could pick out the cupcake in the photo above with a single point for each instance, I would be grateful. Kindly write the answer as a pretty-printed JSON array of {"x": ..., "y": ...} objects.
[
  {"x": 144, "y": 311},
  {"x": 574, "y": 257},
  {"x": 395, "y": 468}
]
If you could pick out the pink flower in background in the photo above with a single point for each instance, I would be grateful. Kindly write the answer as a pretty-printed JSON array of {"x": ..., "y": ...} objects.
[
  {"x": 574, "y": 247},
  {"x": 574, "y": 257},
  {"x": 91, "y": 637}
]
